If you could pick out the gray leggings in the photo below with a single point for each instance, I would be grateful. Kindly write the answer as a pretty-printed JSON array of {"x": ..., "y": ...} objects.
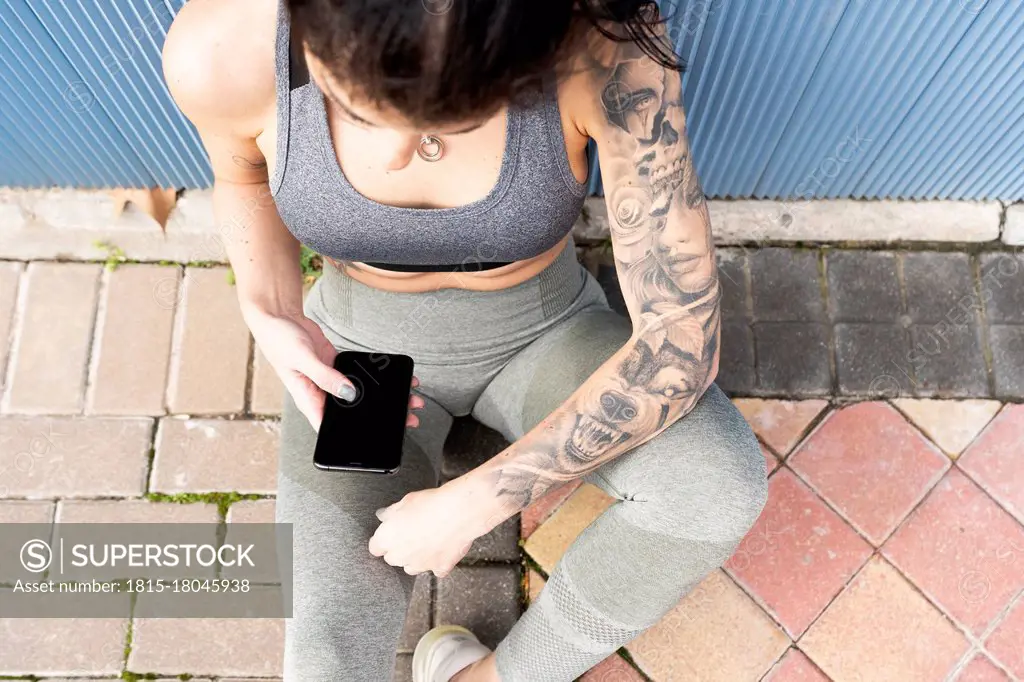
[{"x": 508, "y": 357}]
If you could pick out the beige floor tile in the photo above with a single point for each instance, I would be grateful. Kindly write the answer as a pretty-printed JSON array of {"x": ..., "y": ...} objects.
[
  {"x": 133, "y": 341},
  {"x": 547, "y": 544},
  {"x": 880, "y": 629},
  {"x": 73, "y": 456},
  {"x": 51, "y": 346},
  {"x": 715, "y": 634},
  {"x": 215, "y": 455},
  {"x": 211, "y": 355}
]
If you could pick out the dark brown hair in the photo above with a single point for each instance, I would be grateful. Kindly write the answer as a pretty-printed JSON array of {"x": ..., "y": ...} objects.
[{"x": 444, "y": 61}]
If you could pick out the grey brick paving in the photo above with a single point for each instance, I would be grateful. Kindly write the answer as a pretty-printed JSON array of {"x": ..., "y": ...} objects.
[
  {"x": 793, "y": 357},
  {"x": 484, "y": 599},
  {"x": 1002, "y": 287},
  {"x": 868, "y": 357},
  {"x": 863, "y": 286},
  {"x": 608, "y": 278},
  {"x": 403, "y": 668},
  {"x": 736, "y": 372},
  {"x": 782, "y": 325},
  {"x": 1008, "y": 359},
  {"x": 732, "y": 277},
  {"x": 936, "y": 284},
  {"x": 949, "y": 361},
  {"x": 469, "y": 445},
  {"x": 501, "y": 544},
  {"x": 786, "y": 285}
]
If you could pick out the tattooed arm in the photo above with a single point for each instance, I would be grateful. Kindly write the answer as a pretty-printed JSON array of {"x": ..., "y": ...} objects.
[
  {"x": 661, "y": 239},
  {"x": 663, "y": 253}
]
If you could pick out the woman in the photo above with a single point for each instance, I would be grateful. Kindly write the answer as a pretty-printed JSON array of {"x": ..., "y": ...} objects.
[{"x": 434, "y": 152}]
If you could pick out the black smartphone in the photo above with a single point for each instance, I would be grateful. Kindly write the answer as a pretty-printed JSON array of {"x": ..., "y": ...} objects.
[{"x": 366, "y": 433}]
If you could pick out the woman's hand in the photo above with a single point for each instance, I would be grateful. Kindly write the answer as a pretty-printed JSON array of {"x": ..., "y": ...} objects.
[
  {"x": 303, "y": 358},
  {"x": 432, "y": 529}
]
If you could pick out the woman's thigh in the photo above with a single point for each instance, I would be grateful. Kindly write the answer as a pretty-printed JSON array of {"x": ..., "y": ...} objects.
[
  {"x": 348, "y": 606},
  {"x": 543, "y": 375},
  {"x": 705, "y": 470}
]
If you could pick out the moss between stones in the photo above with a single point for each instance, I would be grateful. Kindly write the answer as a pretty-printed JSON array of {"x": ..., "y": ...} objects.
[{"x": 222, "y": 500}]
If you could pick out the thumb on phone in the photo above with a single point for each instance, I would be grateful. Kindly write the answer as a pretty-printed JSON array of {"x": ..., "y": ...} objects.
[
  {"x": 329, "y": 380},
  {"x": 308, "y": 398}
]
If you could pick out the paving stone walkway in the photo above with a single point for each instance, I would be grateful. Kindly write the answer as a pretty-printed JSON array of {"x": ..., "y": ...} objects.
[{"x": 883, "y": 385}]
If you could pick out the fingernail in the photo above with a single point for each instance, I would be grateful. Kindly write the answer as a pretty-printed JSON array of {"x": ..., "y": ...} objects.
[
  {"x": 347, "y": 392},
  {"x": 379, "y": 512}
]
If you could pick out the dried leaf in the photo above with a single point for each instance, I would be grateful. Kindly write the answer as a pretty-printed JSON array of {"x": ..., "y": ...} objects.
[{"x": 155, "y": 201}]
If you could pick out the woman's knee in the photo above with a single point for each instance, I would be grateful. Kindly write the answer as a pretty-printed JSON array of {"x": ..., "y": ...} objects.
[
  {"x": 703, "y": 477},
  {"x": 336, "y": 634},
  {"x": 347, "y": 605}
]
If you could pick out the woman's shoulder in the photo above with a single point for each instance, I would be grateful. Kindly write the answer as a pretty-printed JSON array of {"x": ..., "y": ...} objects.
[
  {"x": 600, "y": 67},
  {"x": 219, "y": 62},
  {"x": 579, "y": 88}
]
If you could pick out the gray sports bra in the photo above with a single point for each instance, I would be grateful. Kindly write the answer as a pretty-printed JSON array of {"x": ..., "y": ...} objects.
[{"x": 532, "y": 206}]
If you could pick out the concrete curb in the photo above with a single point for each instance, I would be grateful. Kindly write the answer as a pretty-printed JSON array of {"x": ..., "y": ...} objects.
[
  {"x": 1013, "y": 230},
  {"x": 67, "y": 224},
  {"x": 835, "y": 220}
]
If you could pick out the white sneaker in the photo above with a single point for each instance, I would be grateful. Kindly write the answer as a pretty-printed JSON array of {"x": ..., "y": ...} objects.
[{"x": 444, "y": 651}]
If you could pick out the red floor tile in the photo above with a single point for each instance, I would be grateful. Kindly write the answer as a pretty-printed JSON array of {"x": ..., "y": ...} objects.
[
  {"x": 996, "y": 459},
  {"x": 1006, "y": 644},
  {"x": 871, "y": 465},
  {"x": 539, "y": 511},
  {"x": 881, "y": 629},
  {"x": 780, "y": 423},
  {"x": 963, "y": 551},
  {"x": 795, "y": 667},
  {"x": 799, "y": 554},
  {"x": 980, "y": 669}
]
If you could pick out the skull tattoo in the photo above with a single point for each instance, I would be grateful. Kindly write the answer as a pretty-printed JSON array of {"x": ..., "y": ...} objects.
[{"x": 644, "y": 101}]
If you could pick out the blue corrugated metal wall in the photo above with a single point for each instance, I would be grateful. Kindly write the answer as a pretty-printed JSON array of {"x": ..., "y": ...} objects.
[
  {"x": 786, "y": 98},
  {"x": 82, "y": 97}
]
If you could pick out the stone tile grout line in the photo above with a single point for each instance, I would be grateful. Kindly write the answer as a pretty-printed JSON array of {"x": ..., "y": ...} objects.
[
  {"x": 905, "y": 320},
  {"x": 169, "y": 369},
  {"x": 983, "y": 324},
  {"x": 748, "y": 301},
  {"x": 151, "y": 456},
  {"x": 177, "y": 339},
  {"x": 833, "y": 362},
  {"x": 12, "y": 333},
  {"x": 92, "y": 354},
  {"x": 14, "y": 347},
  {"x": 250, "y": 372}
]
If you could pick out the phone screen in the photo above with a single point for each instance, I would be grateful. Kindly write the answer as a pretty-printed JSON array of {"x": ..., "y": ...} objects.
[{"x": 366, "y": 434}]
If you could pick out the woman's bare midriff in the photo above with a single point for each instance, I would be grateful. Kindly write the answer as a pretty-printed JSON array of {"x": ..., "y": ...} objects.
[{"x": 487, "y": 280}]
